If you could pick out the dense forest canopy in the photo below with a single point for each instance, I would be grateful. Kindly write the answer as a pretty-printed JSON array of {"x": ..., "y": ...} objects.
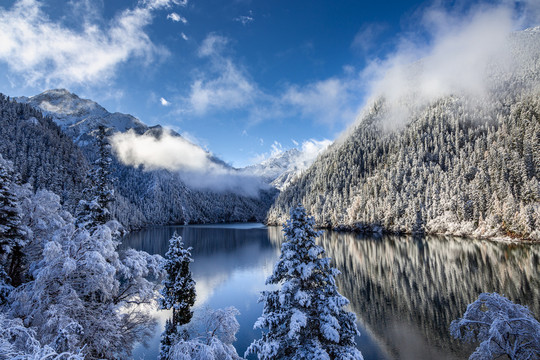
[{"x": 460, "y": 164}]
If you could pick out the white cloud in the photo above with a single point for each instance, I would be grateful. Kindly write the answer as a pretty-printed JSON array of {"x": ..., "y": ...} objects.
[
  {"x": 224, "y": 86},
  {"x": 462, "y": 50},
  {"x": 159, "y": 4},
  {"x": 43, "y": 51},
  {"x": 330, "y": 101},
  {"x": 192, "y": 138},
  {"x": 245, "y": 19},
  {"x": 184, "y": 36},
  {"x": 168, "y": 152},
  {"x": 177, "y": 18},
  {"x": 455, "y": 49},
  {"x": 310, "y": 150},
  {"x": 366, "y": 37},
  {"x": 177, "y": 154},
  {"x": 213, "y": 45},
  {"x": 276, "y": 149},
  {"x": 164, "y": 102},
  {"x": 227, "y": 86}
]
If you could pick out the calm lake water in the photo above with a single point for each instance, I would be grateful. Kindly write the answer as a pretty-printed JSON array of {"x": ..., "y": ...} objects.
[{"x": 404, "y": 291}]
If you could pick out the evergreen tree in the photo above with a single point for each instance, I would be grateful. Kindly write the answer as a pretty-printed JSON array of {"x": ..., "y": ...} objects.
[
  {"x": 94, "y": 209},
  {"x": 11, "y": 233},
  {"x": 305, "y": 318},
  {"x": 178, "y": 292},
  {"x": 418, "y": 226}
]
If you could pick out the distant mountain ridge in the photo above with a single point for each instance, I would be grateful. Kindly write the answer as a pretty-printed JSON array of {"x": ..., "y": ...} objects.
[{"x": 281, "y": 169}]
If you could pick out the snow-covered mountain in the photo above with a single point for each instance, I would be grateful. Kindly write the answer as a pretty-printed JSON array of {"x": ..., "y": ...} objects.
[
  {"x": 274, "y": 166},
  {"x": 79, "y": 117},
  {"x": 461, "y": 161},
  {"x": 154, "y": 195},
  {"x": 281, "y": 169}
]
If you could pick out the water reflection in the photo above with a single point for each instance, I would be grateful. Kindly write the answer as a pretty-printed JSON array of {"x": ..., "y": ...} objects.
[
  {"x": 405, "y": 291},
  {"x": 231, "y": 263}
]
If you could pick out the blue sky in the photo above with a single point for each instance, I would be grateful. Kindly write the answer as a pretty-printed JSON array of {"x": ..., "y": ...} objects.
[{"x": 241, "y": 78}]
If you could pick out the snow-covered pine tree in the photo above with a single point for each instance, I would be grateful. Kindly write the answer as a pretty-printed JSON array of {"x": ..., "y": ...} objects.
[
  {"x": 94, "y": 209},
  {"x": 11, "y": 233},
  {"x": 305, "y": 318},
  {"x": 178, "y": 291}
]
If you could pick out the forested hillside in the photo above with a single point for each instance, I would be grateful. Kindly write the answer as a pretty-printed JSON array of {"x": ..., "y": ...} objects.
[
  {"x": 47, "y": 158},
  {"x": 462, "y": 165},
  {"x": 44, "y": 157}
]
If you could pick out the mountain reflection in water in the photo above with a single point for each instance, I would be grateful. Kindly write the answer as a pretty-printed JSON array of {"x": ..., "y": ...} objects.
[{"x": 404, "y": 291}]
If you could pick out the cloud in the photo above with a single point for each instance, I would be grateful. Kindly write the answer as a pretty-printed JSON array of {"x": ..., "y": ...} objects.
[
  {"x": 224, "y": 86},
  {"x": 166, "y": 152},
  {"x": 194, "y": 165},
  {"x": 365, "y": 39},
  {"x": 459, "y": 56},
  {"x": 159, "y": 4},
  {"x": 444, "y": 52},
  {"x": 213, "y": 45},
  {"x": 310, "y": 150},
  {"x": 45, "y": 51},
  {"x": 184, "y": 36},
  {"x": 245, "y": 19},
  {"x": 330, "y": 101},
  {"x": 177, "y": 18},
  {"x": 164, "y": 102}
]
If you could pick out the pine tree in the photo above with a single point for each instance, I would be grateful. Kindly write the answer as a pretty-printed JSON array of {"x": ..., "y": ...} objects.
[
  {"x": 11, "y": 233},
  {"x": 305, "y": 318},
  {"x": 94, "y": 209},
  {"x": 178, "y": 291}
]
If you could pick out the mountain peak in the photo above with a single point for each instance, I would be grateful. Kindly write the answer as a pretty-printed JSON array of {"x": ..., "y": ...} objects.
[
  {"x": 61, "y": 103},
  {"x": 79, "y": 117},
  {"x": 58, "y": 92}
]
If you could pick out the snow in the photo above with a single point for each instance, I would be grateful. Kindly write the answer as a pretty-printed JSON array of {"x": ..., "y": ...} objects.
[
  {"x": 307, "y": 296},
  {"x": 501, "y": 327},
  {"x": 79, "y": 117}
]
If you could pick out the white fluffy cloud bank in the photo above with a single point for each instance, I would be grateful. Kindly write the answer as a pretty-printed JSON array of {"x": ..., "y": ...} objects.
[
  {"x": 166, "y": 152},
  {"x": 44, "y": 51},
  {"x": 460, "y": 53},
  {"x": 190, "y": 161}
]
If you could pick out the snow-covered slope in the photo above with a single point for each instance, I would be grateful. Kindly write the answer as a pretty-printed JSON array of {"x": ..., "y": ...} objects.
[
  {"x": 79, "y": 117},
  {"x": 281, "y": 169},
  {"x": 273, "y": 167},
  {"x": 151, "y": 196},
  {"x": 462, "y": 162}
]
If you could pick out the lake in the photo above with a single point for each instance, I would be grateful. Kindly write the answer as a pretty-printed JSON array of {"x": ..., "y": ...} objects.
[{"x": 404, "y": 291}]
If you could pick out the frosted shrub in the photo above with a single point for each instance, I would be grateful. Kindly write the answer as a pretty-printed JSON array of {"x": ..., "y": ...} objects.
[{"x": 501, "y": 327}]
